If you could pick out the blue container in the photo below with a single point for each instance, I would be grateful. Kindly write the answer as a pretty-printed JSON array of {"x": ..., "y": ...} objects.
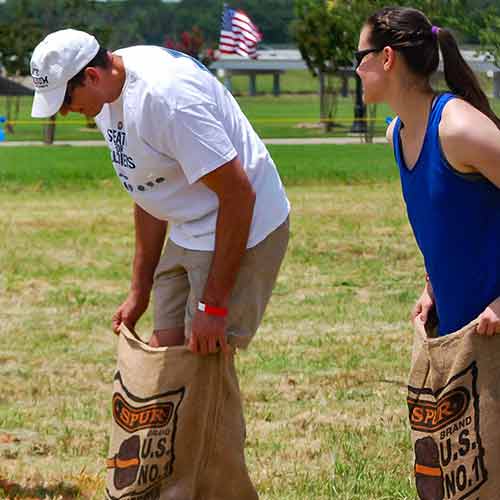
[{"x": 2, "y": 133}]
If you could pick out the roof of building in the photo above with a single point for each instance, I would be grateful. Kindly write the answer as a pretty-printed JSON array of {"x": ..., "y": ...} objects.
[
  {"x": 10, "y": 87},
  {"x": 281, "y": 60}
]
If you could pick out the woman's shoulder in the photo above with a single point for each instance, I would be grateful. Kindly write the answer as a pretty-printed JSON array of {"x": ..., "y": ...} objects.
[
  {"x": 469, "y": 138},
  {"x": 458, "y": 113},
  {"x": 459, "y": 117}
]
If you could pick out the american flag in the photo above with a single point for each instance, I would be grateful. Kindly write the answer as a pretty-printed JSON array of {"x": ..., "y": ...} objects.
[{"x": 238, "y": 34}]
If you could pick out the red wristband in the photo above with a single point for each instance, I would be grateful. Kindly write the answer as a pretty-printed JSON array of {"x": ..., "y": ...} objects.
[{"x": 213, "y": 311}]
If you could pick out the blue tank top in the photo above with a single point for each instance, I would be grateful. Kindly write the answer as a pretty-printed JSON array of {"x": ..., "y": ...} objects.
[{"x": 456, "y": 221}]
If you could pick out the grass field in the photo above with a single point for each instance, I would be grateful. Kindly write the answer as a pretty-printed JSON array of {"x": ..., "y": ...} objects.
[
  {"x": 286, "y": 116},
  {"x": 323, "y": 382},
  {"x": 293, "y": 114}
]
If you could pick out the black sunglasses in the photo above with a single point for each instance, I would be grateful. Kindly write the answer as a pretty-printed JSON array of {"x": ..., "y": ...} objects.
[{"x": 360, "y": 55}]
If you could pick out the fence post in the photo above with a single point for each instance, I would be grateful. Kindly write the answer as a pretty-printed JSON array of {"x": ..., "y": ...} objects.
[
  {"x": 49, "y": 130},
  {"x": 252, "y": 84},
  {"x": 276, "y": 84},
  {"x": 496, "y": 84},
  {"x": 322, "y": 99}
]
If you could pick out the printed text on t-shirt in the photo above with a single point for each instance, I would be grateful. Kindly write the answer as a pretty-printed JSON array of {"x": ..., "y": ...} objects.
[{"x": 118, "y": 141}]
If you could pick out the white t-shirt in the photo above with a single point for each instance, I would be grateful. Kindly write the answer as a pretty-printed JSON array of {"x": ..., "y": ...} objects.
[{"x": 174, "y": 123}]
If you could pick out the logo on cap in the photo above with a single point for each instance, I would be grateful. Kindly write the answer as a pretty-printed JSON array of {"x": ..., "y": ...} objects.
[{"x": 40, "y": 82}]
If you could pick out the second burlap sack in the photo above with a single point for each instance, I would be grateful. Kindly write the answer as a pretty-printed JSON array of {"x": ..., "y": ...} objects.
[
  {"x": 454, "y": 410},
  {"x": 178, "y": 428}
]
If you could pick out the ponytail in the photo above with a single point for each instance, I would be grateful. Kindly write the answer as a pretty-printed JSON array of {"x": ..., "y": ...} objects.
[
  {"x": 460, "y": 78},
  {"x": 410, "y": 32}
]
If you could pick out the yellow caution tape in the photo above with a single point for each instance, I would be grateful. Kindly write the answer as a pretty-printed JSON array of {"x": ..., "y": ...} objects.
[{"x": 257, "y": 120}]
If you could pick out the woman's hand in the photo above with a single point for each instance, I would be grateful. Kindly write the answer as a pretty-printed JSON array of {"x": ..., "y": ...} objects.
[
  {"x": 489, "y": 319},
  {"x": 424, "y": 304}
]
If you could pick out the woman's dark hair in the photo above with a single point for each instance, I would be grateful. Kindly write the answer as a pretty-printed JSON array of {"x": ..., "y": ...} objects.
[
  {"x": 100, "y": 60},
  {"x": 411, "y": 33}
]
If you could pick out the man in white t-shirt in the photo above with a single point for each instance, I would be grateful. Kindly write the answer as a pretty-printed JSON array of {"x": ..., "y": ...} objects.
[{"x": 188, "y": 156}]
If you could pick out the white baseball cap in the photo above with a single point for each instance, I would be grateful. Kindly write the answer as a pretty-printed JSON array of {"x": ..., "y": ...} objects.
[{"x": 55, "y": 60}]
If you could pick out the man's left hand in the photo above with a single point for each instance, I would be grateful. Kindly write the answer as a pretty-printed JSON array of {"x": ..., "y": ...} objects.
[
  {"x": 489, "y": 319},
  {"x": 208, "y": 334}
]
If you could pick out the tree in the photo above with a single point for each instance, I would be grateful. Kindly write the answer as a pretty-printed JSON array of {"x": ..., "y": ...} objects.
[
  {"x": 191, "y": 43},
  {"x": 490, "y": 35},
  {"x": 327, "y": 32},
  {"x": 19, "y": 33}
]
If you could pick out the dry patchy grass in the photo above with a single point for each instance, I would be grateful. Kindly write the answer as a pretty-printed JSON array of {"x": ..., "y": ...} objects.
[{"x": 324, "y": 381}]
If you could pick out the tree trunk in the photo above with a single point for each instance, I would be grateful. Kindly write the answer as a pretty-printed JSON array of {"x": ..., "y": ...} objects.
[{"x": 323, "y": 111}]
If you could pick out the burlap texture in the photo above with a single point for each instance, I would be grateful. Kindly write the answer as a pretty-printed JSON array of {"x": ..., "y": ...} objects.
[
  {"x": 178, "y": 428},
  {"x": 454, "y": 410}
]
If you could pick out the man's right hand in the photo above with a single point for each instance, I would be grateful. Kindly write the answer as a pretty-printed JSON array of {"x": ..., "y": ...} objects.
[
  {"x": 130, "y": 311},
  {"x": 424, "y": 304}
]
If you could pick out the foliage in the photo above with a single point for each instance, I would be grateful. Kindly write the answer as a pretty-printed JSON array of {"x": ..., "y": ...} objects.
[
  {"x": 23, "y": 23},
  {"x": 473, "y": 21},
  {"x": 490, "y": 37},
  {"x": 19, "y": 33},
  {"x": 329, "y": 28},
  {"x": 190, "y": 43},
  {"x": 326, "y": 33},
  {"x": 273, "y": 17},
  {"x": 193, "y": 44}
]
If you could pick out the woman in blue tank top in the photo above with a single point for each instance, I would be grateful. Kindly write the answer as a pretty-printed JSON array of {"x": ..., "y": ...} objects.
[{"x": 447, "y": 148}]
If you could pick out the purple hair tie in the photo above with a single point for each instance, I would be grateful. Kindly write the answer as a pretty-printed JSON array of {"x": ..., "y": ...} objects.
[{"x": 435, "y": 30}]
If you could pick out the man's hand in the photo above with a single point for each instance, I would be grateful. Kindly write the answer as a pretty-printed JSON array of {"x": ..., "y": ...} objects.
[
  {"x": 130, "y": 311},
  {"x": 424, "y": 304},
  {"x": 208, "y": 334},
  {"x": 489, "y": 319}
]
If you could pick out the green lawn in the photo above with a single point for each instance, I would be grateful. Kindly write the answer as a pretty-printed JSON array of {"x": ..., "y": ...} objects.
[
  {"x": 323, "y": 382},
  {"x": 291, "y": 82},
  {"x": 285, "y": 116},
  {"x": 293, "y": 114},
  {"x": 301, "y": 81},
  {"x": 87, "y": 168}
]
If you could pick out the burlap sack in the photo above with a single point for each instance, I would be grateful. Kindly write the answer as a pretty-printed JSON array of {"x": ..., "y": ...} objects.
[
  {"x": 454, "y": 411},
  {"x": 178, "y": 429}
]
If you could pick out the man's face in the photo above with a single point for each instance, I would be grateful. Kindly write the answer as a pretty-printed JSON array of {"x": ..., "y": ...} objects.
[{"x": 86, "y": 99}]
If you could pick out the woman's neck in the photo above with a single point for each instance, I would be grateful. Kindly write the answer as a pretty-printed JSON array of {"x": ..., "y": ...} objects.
[{"x": 412, "y": 105}]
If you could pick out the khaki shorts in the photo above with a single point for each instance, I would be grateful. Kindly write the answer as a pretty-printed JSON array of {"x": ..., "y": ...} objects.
[{"x": 181, "y": 275}]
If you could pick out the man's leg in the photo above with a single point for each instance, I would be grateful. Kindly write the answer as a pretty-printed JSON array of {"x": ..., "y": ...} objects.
[
  {"x": 225, "y": 475},
  {"x": 171, "y": 290}
]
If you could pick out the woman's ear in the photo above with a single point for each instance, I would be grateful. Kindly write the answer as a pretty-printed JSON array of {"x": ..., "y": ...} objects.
[{"x": 389, "y": 55}]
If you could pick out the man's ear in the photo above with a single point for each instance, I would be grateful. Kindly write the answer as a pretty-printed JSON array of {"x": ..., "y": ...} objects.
[
  {"x": 92, "y": 75},
  {"x": 389, "y": 55}
]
